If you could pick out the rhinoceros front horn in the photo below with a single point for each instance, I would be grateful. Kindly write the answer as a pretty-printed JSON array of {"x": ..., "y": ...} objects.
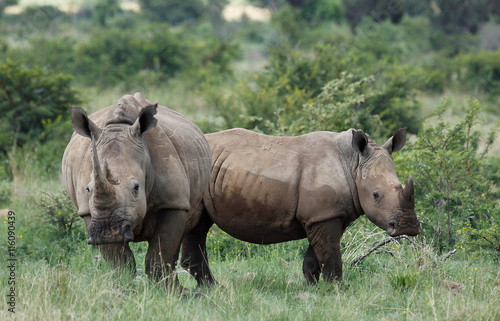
[
  {"x": 104, "y": 192},
  {"x": 409, "y": 191}
]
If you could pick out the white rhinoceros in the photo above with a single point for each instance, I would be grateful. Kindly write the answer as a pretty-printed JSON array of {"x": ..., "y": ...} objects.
[{"x": 136, "y": 172}]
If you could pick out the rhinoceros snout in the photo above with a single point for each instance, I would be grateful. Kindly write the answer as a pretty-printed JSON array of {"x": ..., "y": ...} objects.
[
  {"x": 123, "y": 235},
  {"x": 394, "y": 230}
]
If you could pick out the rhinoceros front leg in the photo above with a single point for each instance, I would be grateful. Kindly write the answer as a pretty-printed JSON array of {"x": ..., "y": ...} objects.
[
  {"x": 118, "y": 255},
  {"x": 310, "y": 266},
  {"x": 324, "y": 238},
  {"x": 164, "y": 246}
]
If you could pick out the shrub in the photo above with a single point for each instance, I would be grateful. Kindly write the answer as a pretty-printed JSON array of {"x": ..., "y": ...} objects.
[
  {"x": 485, "y": 237},
  {"x": 272, "y": 100},
  {"x": 28, "y": 97},
  {"x": 340, "y": 106},
  {"x": 172, "y": 11},
  {"x": 56, "y": 232},
  {"x": 452, "y": 190},
  {"x": 477, "y": 71}
]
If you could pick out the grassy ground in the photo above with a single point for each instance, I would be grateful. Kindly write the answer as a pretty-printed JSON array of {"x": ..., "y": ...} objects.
[
  {"x": 260, "y": 288},
  {"x": 256, "y": 282}
]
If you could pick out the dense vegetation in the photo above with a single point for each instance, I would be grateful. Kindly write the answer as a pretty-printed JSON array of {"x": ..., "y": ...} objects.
[{"x": 316, "y": 65}]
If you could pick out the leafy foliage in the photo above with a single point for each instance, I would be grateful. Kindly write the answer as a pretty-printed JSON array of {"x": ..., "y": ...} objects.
[
  {"x": 452, "y": 190},
  {"x": 477, "y": 72},
  {"x": 28, "y": 97},
  {"x": 172, "y": 11},
  {"x": 378, "y": 10},
  {"x": 114, "y": 56},
  {"x": 56, "y": 232},
  {"x": 485, "y": 237},
  {"x": 291, "y": 87},
  {"x": 340, "y": 106},
  {"x": 106, "y": 9},
  {"x": 454, "y": 16}
]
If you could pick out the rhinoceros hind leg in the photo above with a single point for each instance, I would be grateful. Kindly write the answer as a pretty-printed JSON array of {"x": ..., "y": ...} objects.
[
  {"x": 310, "y": 266},
  {"x": 194, "y": 252}
]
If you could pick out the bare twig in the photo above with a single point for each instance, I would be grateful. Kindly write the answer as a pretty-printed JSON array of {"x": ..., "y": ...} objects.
[
  {"x": 447, "y": 256},
  {"x": 391, "y": 253},
  {"x": 385, "y": 242},
  {"x": 379, "y": 245}
]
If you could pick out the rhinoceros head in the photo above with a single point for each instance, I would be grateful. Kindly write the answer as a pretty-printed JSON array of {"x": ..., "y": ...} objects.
[
  {"x": 385, "y": 201},
  {"x": 120, "y": 164}
]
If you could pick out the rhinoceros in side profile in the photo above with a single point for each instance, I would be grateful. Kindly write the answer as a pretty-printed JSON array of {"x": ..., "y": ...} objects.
[
  {"x": 265, "y": 189},
  {"x": 137, "y": 172}
]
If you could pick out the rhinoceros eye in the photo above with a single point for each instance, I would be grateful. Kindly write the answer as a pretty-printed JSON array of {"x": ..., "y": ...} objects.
[
  {"x": 376, "y": 196},
  {"x": 87, "y": 189},
  {"x": 135, "y": 189}
]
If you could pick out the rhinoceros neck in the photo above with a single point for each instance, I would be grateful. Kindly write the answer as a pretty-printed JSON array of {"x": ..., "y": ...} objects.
[{"x": 350, "y": 164}]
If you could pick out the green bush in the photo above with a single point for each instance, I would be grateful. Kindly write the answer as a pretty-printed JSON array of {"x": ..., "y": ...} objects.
[
  {"x": 128, "y": 53},
  {"x": 41, "y": 18},
  {"x": 57, "y": 233},
  {"x": 282, "y": 98},
  {"x": 28, "y": 97},
  {"x": 395, "y": 102},
  {"x": 113, "y": 57},
  {"x": 63, "y": 62},
  {"x": 485, "y": 238},
  {"x": 340, "y": 106},
  {"x": 451, "y": 188},
  {"x": 477, "y": 72},
  {"x": 172, "y": 11}
]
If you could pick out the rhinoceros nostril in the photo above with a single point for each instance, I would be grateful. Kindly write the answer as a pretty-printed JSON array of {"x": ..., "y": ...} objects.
[
  {"x": 128, "y": 235},
  {"x": 391, "y": 229}
]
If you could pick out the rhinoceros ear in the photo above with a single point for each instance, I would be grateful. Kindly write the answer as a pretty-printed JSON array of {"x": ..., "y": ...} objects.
[
  {"x": 396, "y": 142},
  {"x": 360, "y": 142},
  {"x": 82, "y": 124},
  {"x": 146, "y": 120}
]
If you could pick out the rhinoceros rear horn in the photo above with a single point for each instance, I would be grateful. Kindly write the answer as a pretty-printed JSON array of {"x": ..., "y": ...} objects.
[{"x": 408, "y": 193}]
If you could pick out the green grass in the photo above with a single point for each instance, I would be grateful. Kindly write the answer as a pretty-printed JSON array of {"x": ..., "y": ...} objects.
[
  {"x": 259, "y": 288},
  {"x": 256, "y": 282}
]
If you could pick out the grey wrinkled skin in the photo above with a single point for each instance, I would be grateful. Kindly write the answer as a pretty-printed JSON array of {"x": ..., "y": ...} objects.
[
  {"x": 136, "y": 171},
  {"x": 265, "y": 189}
]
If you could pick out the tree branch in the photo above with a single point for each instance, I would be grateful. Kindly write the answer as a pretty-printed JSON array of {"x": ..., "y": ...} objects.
[{"x": 379, "y": 245}]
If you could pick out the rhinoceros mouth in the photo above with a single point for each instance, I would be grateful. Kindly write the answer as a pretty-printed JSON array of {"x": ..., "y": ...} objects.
[
  {"x": 393, "y": 230},
  {"x": 100, "y": 236}
]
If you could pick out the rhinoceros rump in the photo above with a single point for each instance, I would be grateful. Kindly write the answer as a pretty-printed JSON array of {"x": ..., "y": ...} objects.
[
  {"x": 137, "y": 172},
  {"x": 266, "y": 189}
]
